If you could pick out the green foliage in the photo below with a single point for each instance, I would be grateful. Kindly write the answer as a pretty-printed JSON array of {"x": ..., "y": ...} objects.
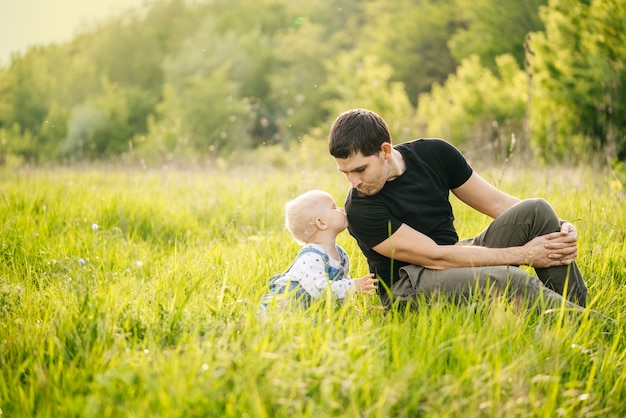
[
  {"x": 165, "y": 136},
  {"x": 493, "y": 28},
  {"x": 129, "y": 50},
  {"x": 412, "y": 38},
  {"x": 17, "y": 144},
  {"x": 215, "y": 86},
  {"x": 134, "y": 293},
  {"x": 476, "y": 104},
  {"x": 362, "y": 81},
  {"x": 205, "y": 115},
  {"x": 103, "y": 124},
  {"x": 196, "y": 80},
  {"x": 28, "y": 89},
  {"x": 579, "y": 68},
  {"x": 298, "y": 94}
]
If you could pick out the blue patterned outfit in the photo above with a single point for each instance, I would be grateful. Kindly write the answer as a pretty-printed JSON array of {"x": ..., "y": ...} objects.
[{"x": 312, "y": 272}]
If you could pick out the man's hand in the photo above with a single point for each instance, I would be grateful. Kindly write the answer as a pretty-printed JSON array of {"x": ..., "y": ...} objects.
[
  {"x": 569, "y": 228},
  {"x": 555, "y": 249},
  {"x": 366, "y": 284}
]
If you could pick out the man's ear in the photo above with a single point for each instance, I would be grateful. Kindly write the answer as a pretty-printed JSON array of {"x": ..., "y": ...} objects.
[{"x": 386, "y": 148}]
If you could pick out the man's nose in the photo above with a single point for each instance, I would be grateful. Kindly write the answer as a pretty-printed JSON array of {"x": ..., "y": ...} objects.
[{"x": 354, "y": 180}]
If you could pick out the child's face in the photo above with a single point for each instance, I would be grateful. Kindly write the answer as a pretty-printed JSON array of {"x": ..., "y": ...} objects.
[{"x": 335, "y": 217}]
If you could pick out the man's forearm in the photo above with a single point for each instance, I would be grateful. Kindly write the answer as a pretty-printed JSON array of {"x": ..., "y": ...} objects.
[
  {"x": 410, "y": 246},
  {"x": 549, "y": 250},
  {"x": 451, "y": 256}
]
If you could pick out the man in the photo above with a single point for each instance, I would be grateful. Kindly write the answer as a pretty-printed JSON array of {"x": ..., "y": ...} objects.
[{"x": 399, "y": 212}]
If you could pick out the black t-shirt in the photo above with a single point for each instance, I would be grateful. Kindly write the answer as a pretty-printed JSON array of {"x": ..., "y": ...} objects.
[{"x": 418, "y": 198}]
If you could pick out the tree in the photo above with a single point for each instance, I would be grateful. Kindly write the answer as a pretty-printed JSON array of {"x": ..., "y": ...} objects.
[
  {"x": 199, "y": 116},
  {"x": 411, "y": 37},
  {"x": 29, "y": 90},
  {"x": 26, "y": 95},
  {"x": 100, "y": 126},
  {"x": 296, "y": 83},
  {"x": 318, "y": 32},
  {"x": 362, "y": 81},
  {"x": 477, "y": 106},
  {"x": 6, "y": 98},
  {"x": 493, "y": 28},
  {"x": 580, "y": 78}
]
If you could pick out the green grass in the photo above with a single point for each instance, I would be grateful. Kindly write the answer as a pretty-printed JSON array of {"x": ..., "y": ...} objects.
[{"x": 152, "y": 312}]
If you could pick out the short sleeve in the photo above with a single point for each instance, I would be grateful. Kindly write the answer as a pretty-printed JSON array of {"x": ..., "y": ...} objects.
[
  {"x": 453, "y": 164},
  {"x": 371, "y": 222}
]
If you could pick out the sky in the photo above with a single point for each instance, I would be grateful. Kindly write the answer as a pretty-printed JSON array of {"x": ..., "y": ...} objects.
[{"x": 24, "y": 23}]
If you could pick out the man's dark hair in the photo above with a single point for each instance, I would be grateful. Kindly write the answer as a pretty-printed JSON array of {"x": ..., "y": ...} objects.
[{"x": 357, "y": 130}]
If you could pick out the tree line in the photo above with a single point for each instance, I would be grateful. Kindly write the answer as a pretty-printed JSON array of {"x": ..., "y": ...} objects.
[{"x": 177, "y": 79}]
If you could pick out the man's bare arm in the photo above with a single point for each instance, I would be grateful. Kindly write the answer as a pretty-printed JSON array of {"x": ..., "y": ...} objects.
[
  {"x": 477, "y": 193},
  {"x": 411, "y": 246}
]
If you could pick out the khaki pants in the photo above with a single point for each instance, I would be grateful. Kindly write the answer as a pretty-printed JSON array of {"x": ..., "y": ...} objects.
[{"x": 518, "y": 225}]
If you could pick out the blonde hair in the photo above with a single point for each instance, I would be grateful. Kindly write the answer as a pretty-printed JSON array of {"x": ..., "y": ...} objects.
[{"x": 300, "y": 215}]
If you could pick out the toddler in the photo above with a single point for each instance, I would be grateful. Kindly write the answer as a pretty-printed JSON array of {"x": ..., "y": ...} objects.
[{"x": 314, "y": 220}]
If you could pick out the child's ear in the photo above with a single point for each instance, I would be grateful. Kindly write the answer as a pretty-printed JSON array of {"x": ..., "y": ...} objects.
[{"x": 320, "y": 223}]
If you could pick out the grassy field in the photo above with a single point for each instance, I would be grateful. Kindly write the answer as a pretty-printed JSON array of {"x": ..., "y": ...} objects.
[{"x": 133, "y": 293}]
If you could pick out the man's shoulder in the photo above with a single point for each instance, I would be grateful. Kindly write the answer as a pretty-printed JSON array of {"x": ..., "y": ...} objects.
[
  {"x": 423, "y": 143},
  {"x": 430, "y": 150}
]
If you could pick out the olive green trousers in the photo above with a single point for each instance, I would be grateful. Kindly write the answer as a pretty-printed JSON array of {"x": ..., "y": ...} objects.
[{"x": 515, "y": 227}]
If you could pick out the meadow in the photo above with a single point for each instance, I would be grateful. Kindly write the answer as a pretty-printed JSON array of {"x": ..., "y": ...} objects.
[{"x": 133, "y": 292}]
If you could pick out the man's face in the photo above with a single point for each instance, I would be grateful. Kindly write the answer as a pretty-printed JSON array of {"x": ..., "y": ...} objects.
[{"x": 366, "y": 174}]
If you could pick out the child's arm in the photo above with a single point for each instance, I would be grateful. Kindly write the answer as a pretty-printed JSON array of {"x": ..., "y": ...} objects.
[
  {"x": 366, "y": 284},
  {"x": 342, "y": 287},
  {"x": 309, "y": 270}
]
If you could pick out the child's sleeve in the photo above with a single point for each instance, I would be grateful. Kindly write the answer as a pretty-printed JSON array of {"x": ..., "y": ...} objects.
[
  {"x": 342, "y": 288},
  {"x": 309, "y": 270}
]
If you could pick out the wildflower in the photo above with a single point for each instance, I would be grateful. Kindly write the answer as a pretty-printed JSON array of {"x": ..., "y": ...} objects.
[{"x": 94, "y": 227}]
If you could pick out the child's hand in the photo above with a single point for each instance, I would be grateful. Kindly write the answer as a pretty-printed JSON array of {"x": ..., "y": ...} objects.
[{"x": 366, "y": 284}]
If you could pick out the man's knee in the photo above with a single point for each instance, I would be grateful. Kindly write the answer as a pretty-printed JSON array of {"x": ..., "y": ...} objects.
[{"x": 540, "y": 208}]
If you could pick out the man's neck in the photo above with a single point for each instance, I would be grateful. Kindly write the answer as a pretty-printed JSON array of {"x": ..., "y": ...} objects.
[{"x": 397, "y": 167}]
